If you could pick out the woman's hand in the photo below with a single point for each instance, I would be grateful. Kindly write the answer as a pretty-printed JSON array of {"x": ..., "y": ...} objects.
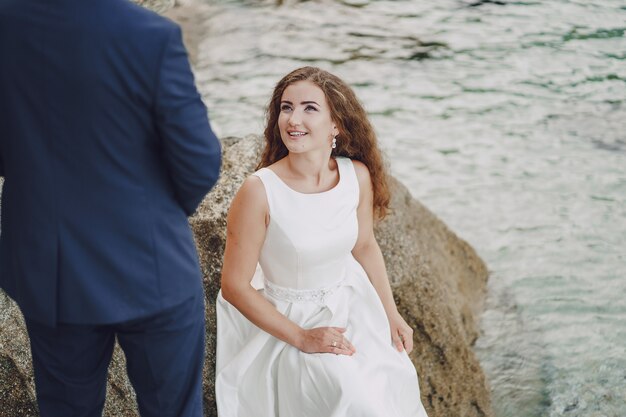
[
  {"x": 325, "y": 340},
  {"x": 401, "y": 333}
]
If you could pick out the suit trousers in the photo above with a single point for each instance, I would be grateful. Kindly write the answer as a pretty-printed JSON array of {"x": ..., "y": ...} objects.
[{"x": 164, "y": 359}]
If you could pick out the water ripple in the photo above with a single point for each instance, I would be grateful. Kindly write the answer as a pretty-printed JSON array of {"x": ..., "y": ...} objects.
[{"x": 508, "y": 119}]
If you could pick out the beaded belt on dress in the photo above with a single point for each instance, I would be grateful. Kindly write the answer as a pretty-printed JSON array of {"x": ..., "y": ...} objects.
[{"x": 293, "y": 295}]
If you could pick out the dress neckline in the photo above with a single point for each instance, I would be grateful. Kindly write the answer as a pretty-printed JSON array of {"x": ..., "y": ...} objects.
[{"x": 284, "y": 184}]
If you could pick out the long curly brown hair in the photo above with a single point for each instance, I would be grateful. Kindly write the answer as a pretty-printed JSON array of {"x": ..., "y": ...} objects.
[{"x": 356, "y": 138}]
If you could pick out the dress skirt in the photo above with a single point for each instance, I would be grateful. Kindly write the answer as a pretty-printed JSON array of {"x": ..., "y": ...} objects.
[{"x": 259, "y": 375}]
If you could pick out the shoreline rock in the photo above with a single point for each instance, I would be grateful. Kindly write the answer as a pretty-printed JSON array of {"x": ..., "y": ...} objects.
[{"x": 438, "y": 281}]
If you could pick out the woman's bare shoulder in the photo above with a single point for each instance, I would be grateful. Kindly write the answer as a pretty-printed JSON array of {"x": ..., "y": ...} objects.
[
  {"x": 362, "y": 172},
  {"x": 252, "y": 194}
]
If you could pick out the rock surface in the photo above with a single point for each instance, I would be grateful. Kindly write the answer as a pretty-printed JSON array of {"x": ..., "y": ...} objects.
[{"x": 438, "y": 282}]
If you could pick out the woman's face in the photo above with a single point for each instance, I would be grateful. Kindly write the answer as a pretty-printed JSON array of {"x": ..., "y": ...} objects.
[{"x": 304, "y": 121}]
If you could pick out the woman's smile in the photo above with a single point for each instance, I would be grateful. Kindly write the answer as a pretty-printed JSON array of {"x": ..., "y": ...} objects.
[{"x": 296, "y": 134}]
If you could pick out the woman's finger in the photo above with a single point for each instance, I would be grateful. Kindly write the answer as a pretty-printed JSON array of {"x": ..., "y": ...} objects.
[
  {"x": 407, "y": 338},
  {"x": 340, "y": 350},
  {"x": 348, "y": 345},
  {"x": 397, "y": 340},
  {"x": 340, "y": 346},
  {"x": 408, "y": 341},
  {"x": 341, "y": 339}
]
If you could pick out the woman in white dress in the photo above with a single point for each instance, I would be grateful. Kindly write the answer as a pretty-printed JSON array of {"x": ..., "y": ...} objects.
[{"x": 314, "y": 331}]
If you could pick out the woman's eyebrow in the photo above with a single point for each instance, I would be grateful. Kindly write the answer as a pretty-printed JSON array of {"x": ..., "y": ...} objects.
[{"x": 302, "y": 102}]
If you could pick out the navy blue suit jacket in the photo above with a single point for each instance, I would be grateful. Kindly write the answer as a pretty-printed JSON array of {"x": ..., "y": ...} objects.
[{"x": 106, "y": 148}]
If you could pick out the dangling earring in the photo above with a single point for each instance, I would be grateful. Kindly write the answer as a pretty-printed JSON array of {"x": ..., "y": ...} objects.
[{"x": 334, "y": 145}]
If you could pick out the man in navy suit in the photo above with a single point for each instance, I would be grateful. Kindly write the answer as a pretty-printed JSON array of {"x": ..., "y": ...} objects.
[{"x": 106, "y": 148}]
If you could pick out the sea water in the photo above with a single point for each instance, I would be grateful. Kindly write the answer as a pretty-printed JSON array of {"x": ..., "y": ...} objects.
[{"x": 508, "y": 120}]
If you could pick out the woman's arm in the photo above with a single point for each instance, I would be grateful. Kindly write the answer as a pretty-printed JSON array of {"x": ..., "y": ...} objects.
[
  {"x": 367, "y": 252},
  {"x": 246, "y": 227}
]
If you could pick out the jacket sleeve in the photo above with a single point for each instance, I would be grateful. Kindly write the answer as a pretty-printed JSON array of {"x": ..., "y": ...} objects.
[{"x": 191, "y": 151}]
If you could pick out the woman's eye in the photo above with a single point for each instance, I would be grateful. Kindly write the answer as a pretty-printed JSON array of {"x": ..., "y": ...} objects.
[
  {"x": 285, "y": 107},
  {"x": 309, "y": 108}
]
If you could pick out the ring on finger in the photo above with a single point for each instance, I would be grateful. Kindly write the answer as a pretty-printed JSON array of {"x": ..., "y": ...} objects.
[{"x": 334, "y": 343}]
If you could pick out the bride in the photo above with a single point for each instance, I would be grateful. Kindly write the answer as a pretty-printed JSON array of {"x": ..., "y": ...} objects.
[{"x": 314, "y": 331}]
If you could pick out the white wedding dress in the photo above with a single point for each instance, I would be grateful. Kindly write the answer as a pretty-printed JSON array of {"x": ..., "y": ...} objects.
[{"x": 308, "y": 272}]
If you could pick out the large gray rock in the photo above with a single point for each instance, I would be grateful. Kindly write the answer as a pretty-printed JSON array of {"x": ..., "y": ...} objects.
[
  {"x": 438, "y": 281},
  {"x": 439, "y": 285}
]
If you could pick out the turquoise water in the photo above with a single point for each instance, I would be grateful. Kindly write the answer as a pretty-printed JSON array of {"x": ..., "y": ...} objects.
[{"x": 508, "y": 120}]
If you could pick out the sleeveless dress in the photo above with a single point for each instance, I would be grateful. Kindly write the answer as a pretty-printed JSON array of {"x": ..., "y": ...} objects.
[{"x": 308, "y": 273}]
